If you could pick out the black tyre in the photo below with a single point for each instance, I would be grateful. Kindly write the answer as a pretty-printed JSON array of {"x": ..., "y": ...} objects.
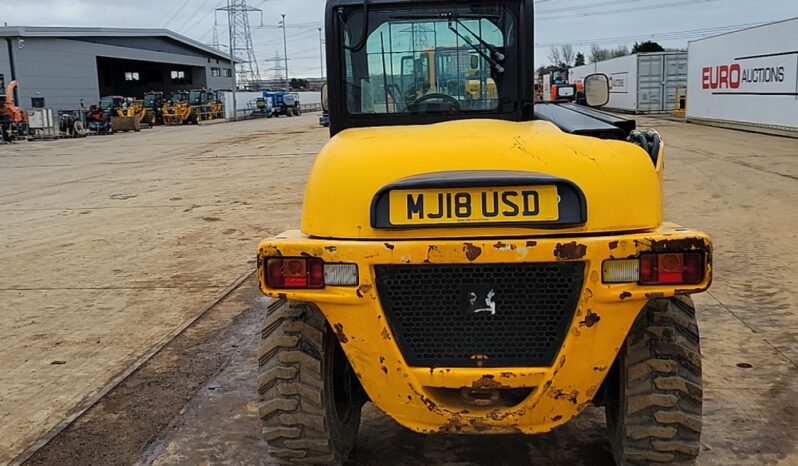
[
  {"x": 310, "y": 400},
  {"x": 654, "y": 393},
  {"x": 297, "y": 111}
]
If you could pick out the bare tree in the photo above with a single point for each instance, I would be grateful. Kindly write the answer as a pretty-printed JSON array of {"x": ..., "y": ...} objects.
[
  {"x": 568, "y": 55},
  {"x": 600, "y": 54},
  {"x": 555, "y": 56}
]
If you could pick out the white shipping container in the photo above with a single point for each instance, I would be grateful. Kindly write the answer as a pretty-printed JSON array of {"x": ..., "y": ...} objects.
[
  {"x": 640, "y": 83},
  {"x": 746, "y": 77}
]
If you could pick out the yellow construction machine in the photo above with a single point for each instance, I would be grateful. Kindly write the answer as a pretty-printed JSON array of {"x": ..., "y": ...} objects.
[
  {"x": 177, "y": 109},
  {"x": 477, "y": 269}
]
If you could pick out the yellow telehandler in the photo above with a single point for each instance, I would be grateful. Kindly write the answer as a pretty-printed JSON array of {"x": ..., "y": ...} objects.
[{"x": 477, "y": 269}]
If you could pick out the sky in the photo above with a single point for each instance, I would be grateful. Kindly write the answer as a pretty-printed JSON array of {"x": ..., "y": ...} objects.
[{"x": 608, "y": 23}]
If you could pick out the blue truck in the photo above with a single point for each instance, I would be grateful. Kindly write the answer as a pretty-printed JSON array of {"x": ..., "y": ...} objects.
[{"x": 284, "y": 103}]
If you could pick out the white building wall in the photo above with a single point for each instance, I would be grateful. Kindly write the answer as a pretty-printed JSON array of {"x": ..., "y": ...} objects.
[{"x": 748, "y": 76}]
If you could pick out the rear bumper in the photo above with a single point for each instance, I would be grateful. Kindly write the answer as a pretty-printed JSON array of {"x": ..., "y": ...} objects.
[{"x": 416, "y": 396}]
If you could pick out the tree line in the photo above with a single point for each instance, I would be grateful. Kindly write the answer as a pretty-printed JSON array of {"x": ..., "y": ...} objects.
[{"x": 564, "y": 57}]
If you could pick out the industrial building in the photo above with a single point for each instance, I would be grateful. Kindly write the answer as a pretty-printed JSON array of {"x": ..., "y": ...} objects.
[{"x": 62, "y": 67}]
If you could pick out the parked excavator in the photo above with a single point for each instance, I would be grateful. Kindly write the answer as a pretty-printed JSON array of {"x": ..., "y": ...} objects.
[{"x": 13, "y": 120}]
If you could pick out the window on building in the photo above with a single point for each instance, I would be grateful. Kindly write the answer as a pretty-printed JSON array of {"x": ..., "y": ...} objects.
[
  {"x": 216, "y": 72},
  {"x": 132, "y": 76},
  {"x": 37, "y": 102},
  {"x": 228, "y": 73}
]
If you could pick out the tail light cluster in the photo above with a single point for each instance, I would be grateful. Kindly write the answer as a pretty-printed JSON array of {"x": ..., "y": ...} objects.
[
  {"x": 308, "y": 273},
  {"x": 656, "y": 268}
]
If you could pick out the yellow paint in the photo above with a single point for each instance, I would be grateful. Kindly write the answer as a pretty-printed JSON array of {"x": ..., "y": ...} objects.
[
  {"x": 408, "y": 393},
  {"x": 618, "y": 179}
]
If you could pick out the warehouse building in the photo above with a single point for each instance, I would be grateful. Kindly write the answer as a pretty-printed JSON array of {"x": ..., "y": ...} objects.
[{"x": 60, "y": 67}]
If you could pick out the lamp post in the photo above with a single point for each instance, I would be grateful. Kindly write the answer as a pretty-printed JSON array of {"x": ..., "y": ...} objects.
[
  {"x": 321, "y": 54},
  {"x": 285, "y": 53}
]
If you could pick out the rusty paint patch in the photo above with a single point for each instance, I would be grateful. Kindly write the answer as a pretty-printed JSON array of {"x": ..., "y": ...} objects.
[
  {"x": 570, "y": 251},
  {"x": 385, "y": 334},
  {"x": 681, "y": 244},
  {"x": 330, "y": 249},
  {"x": 531, "y": 244},
  {"x": 362, "y": 290},
  {"x": 270, "y": 251},
  {"x": 471, "y": 251},
  {"x": 507, "y": 375},
  {"x": 625, "y": 295},
  {"x": 613, "y": 244},
  {"x": 384, "y": 369},
  {"x": 504, "y": 246},
  {"x": 487, "y": 382},
  {"x": 570, "y": 396},
  {"x": 382, "y": 359},
  {"x": 599, "y": 368},
  {"x": 591, "y": 319},
  {"x": 556, "y": 418},
  {"x": 688, "y": 291},
  {"x": 339, "y": 332},
  {"x": 389, "y": 246},
  {"x": 655, "y": 295}
]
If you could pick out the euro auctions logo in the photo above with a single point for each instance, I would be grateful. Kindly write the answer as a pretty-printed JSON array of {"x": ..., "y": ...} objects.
[{"x": 733, "y": 76}]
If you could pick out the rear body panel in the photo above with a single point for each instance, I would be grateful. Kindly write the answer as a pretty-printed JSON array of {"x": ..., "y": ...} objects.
[{"x": 422, "y": 393}]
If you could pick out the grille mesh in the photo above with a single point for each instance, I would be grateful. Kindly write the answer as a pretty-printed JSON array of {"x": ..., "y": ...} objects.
[{"x": 430, "y": 311}]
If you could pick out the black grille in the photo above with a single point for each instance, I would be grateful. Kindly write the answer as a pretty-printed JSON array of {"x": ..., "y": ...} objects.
[{"x": 431, "y": 311}]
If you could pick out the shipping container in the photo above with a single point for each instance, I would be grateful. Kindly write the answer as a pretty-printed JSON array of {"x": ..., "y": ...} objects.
[
  {"x": 640, "y": 83},
  {"x": 746, "y": 78}
]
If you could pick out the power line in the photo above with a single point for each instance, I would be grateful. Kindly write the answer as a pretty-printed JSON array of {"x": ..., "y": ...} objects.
[
  {"x": 177, "y": 12},
  {"x": 686, "y": 34},
  {"x": 589, "y": 5},
  {"x": 627, "y": 10}
]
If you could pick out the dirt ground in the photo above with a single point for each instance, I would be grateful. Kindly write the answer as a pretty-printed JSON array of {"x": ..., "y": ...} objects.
[{"x": 112, "y": 244}]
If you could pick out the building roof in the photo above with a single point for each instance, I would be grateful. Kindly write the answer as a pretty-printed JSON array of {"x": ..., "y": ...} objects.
[{"x": 66, "y": 32}]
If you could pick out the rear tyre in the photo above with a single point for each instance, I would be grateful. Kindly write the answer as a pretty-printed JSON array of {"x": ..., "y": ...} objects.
[
  {"x": 297, "y": 111},
  {"x": 654, "y": 393},
  {"x": 310, "y": 400}
]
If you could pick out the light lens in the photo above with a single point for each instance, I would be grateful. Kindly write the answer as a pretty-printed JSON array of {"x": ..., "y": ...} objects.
[
  {"x": 664, "y": 268},
  {"x": 671, "y": 268},
  {"x": 620, "y": 271},
  {"x": 340, "y": 274},
  {"x": 295, "y": 272}
]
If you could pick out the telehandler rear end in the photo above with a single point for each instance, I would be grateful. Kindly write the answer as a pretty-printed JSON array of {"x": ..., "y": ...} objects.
[{"x": 474, "y": 262}]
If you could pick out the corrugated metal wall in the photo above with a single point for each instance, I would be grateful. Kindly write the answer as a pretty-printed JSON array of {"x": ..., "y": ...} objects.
[{"x": 658, "y": 77}]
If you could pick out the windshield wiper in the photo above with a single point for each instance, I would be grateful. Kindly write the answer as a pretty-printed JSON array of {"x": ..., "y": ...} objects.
[{"x": 494, "y": 58}]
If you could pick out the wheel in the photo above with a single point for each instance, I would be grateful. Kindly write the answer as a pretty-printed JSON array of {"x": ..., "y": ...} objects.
[
  {"x": 289, "y": 113},
  {"x": 297, "y": 111},
  {"x": 310, "y": 399},
  {"x": 654, "y": 393}
]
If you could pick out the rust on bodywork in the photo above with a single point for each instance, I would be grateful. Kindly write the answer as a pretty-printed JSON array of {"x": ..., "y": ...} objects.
[
  {"x": 625, "y": 295},
  {"x": 570, "y": 251},
  {"x": 471, "y": 251},
  {"x": 591, "y": 319},
  {"x": 487, "y": 382},
  {"x": 362, "y": 290},
  {"x": 339, "y": 332}
]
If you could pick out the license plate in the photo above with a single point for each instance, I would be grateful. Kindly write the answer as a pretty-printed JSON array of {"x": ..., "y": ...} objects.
[{"x": 505, "y": 205}]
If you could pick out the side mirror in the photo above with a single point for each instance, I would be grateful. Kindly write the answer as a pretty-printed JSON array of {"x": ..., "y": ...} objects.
[
  {"x": 324, "y": 97},
  {"x": 597, "y": 89}
]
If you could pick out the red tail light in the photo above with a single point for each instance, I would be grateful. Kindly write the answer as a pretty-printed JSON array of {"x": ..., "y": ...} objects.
[
  {"x": 671, "y": 268},
  {"x": 295, "y": 272}
]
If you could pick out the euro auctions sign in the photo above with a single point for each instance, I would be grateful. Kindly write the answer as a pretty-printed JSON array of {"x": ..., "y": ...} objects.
[
  {"x": 758, "y": 77},
  {"x": 748, "y": 76}
]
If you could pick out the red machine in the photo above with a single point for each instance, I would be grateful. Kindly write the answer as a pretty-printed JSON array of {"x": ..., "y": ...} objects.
[{"x": 13, "y": 120}]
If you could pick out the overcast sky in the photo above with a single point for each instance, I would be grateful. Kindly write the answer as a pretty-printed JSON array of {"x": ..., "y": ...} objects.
[{"x": 608, "y": 23}]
